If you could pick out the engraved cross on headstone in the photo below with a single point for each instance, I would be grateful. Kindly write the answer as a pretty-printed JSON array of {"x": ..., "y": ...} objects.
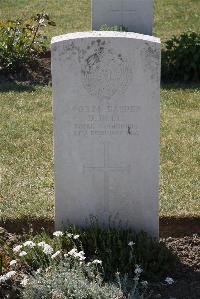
[
  {"x": 122, "y": 11},
  {"x": 106, "y": 168}
]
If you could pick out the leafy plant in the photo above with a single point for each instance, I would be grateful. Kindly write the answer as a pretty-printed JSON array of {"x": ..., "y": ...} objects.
[
  {"x": 113, "y": 28},
  {"x": 70, "y": 280},
  {"x": 181, "y": 58},
  {"x": 21, "y": 41},
  {"x": 120, "y": 249},
  {"x": 41, "y": 270},
  {"x": 82, "y": 263}
]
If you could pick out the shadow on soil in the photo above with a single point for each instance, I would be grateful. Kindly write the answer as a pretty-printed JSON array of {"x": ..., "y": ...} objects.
[
  {"x": 180, "y": 86},
  {"x": 26, "y": 78},
  {"x": 16, "y": 87},
  {"x": 26, "y": 224},
  {"x": 169, "y": 226}
]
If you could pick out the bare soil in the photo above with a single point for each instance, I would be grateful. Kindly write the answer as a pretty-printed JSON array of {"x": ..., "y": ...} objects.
[
  {"x": 187, "y": 271},
  {"x": 39, "y": 72}
]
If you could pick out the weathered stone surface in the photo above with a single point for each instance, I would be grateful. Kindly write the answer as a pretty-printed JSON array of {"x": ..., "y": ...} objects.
[
  {"x": 136, "y": 15},
  {"x": 106, "y": 92}
]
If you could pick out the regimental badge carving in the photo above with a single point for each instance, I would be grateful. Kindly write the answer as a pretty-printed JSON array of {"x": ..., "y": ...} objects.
[{"x": 104, "y": 71}]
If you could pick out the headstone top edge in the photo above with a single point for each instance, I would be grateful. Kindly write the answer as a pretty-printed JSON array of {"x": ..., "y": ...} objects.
[{"x": 81, "y": 35}]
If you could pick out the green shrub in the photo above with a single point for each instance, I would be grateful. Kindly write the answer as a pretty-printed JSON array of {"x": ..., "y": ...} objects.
[
  {"x": 181, "y": 58},
  {"x": 111, "y": 246},
  {"x": 113, "y": 28},
  {"x": 21, "y": 41}
]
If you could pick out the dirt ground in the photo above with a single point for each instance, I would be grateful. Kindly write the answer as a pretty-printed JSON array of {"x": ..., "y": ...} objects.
[
  {"x": 37, "y": 73},
  {"x": 186, "y": 274}
]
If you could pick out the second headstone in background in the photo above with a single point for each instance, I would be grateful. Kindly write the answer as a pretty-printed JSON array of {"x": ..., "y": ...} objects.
[{"x": 135, "y": 15}]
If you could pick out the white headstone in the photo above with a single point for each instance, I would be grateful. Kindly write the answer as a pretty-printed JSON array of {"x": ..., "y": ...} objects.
[
  {"x": 106, "y": 95},
  {"x": 136, "y": 15}
]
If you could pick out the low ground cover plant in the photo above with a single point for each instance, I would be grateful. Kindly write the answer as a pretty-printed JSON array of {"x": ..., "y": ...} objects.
[
  {"x": 86, "y": 263},
  {"x": 22, "y": 41},
  {"x": 181, "y": 58},
  {"x": 49, "y": 270}
]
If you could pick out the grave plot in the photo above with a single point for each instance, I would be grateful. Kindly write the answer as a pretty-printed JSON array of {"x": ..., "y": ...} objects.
[{"x": 106, "y": 128}]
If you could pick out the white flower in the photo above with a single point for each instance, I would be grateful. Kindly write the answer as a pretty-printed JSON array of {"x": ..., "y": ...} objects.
[
  {"x": 48, "y": 269},
  {"x": 39, "y": 270},
  {"x": 69, "y": 235},
  {"x": 138, "y": 270},
  {"x": 17, "y": 248},
  {"x": 13, "y": 262},
  {"x": 169, "y": 280},
  {"x": 41, "y": 21},
  {"x": 24, "y": 282},
  {"x": 41, "y": 244},
  {"x": 97, "y": 262},
  {"x": 7, "y": 276},
  {"x": 89, "y": 264},
  {"x": 10, "y": 274},
  {"x": 72, "y": 252},
  {"x": 57, "y": 253},
  {"x": 81, "y": 256},
  {"x": 22, "y": 253},
  {"x": 144, "y": 283},
  {"x": 47, "y": 249},
  {"x": 58, "y": 234},
  {"x": 30, "y": 244},
  {"x": 76, "y": 254},
  {"x": 3, "y": 278},
  {"x": 76, "y": 237},
  {"x": 131, "y": 243}
]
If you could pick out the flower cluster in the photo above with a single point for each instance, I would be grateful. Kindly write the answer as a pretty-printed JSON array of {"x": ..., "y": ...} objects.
[
  {"x": 69, "y": 235},
  {"x": 13, "y": 263},
  {"x": 29, "y": 244},
  {"x": 56, "y": 254},
  {"x": 58, "y": 234},
  {"x": 7, "y": 276},
  {"x": 131, "y": 244},
  {"x": 46, "y": 248},
  {"x": 169, "y": 280},
  {"x": 17, "y": 248},
  {"x": 74, "y": 253},
  {"x": 138, "y": 269},
  {"x": 97, "y": 262},
  {"x": 24, "y": 281}
]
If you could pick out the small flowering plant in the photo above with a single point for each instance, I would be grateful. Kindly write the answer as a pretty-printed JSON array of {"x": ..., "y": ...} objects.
[
  {"x": 35, "y": 261},
  {"x": 169, "y": 280},
  {"x": 58, "y": 234},
  {"x": 43, "y": 249}
]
